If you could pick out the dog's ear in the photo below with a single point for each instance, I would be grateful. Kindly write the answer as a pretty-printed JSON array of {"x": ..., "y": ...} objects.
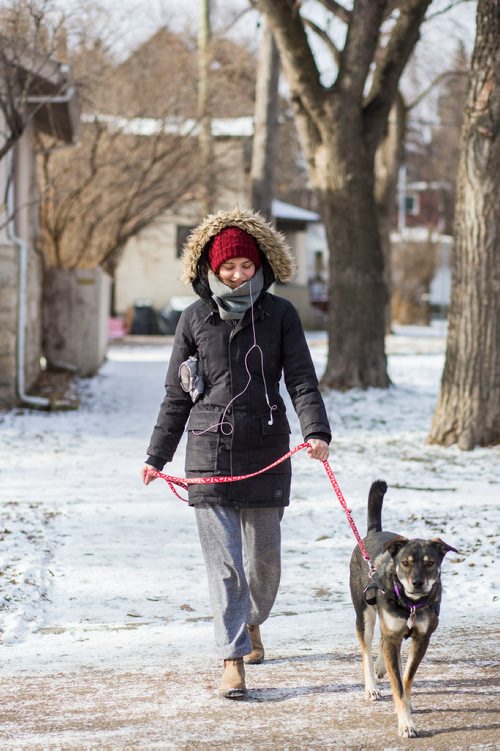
[
  {"x": 394, "y": 546},
  {"x": 441, "y": 546}
]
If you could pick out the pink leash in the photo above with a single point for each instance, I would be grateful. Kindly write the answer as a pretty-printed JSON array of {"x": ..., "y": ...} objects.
[{"x": 184, "y": 482}]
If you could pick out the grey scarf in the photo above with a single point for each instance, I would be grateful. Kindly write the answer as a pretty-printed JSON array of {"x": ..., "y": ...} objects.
[{"x": 233, "y": 303}]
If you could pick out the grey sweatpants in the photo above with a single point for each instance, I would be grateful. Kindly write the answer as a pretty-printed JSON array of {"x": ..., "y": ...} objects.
[{"x": 241, "y": 548}]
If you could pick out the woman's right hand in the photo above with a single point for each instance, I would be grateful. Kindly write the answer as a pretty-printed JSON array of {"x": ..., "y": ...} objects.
[{"x": 146, "y": 475}]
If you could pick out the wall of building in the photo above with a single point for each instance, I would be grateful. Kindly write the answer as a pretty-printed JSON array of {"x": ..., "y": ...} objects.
[
  {"x": 76, "y": 310},
  {"x": 150, "y": 269},
  {"x": 25, "y": 226},
  {"x": 8, "y": 302}
]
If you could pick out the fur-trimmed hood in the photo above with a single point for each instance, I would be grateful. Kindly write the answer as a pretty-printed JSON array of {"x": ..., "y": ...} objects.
[{"x": 278, "y": 262}]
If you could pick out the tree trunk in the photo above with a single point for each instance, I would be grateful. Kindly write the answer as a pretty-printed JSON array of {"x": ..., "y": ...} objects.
[
  {"x": 266, "y": 121},
  {"x": 358, "y": 295},
  {"x": 390, "y": 156},
  {"x": 468, "y": 410},
  {"x": 340, "y": 127}
]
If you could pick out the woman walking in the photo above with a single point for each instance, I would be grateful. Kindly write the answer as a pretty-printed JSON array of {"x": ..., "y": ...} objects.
[{"x": 230, "y": 351}]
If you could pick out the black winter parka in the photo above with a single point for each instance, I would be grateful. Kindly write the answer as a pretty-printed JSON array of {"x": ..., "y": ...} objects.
[{"x": 250, "y": 435}]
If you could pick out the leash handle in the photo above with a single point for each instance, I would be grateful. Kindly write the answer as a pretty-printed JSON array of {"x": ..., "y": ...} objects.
[{"x": 185, "y": 482}]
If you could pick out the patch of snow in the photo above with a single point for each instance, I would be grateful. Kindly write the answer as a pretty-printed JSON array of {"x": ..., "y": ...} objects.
[{"x": 99, "y": 570}]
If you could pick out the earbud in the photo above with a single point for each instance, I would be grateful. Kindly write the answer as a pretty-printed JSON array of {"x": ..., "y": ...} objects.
[{"x": 270, "y": 422}]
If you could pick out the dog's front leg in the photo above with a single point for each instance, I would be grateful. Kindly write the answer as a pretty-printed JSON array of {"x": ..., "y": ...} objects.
[
  {"x": 379, "y": 662},
  {"x": 392, "y": 657},
  {"x": 365, "y": 625},
  {"x": 418, "y": 648}
]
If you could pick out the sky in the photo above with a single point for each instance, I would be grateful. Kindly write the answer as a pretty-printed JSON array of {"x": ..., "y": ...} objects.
[
  {"x": 434, "y": 54},
  {"x": 138, "y": 20}
]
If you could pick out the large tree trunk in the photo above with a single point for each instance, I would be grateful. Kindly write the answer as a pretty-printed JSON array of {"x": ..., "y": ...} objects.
[
  {"x": 468, "y": 410},
  {"x": 340, "y": 128},
  {"x": 358, "y": 295}
]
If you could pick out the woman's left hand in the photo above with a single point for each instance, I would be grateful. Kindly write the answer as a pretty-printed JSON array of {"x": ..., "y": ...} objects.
[{"x": 317, "y": 449}]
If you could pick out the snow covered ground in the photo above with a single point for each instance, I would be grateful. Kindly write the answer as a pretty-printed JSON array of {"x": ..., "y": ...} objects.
[{"x": 99, "y": 572}]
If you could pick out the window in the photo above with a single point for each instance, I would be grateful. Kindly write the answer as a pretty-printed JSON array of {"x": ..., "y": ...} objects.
[
  {"x": 183, "y": 231},
  {"x": 412, "y": 204}
]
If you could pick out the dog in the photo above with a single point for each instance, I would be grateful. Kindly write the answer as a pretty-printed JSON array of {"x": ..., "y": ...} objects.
[{"x": 405, "y": 593}]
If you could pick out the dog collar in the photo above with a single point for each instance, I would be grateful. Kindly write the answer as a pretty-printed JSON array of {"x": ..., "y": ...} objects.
[{"x": 408, "y": 604}]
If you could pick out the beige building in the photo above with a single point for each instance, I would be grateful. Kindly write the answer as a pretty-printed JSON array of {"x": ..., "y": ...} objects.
[{"x": 150, "y": 268}]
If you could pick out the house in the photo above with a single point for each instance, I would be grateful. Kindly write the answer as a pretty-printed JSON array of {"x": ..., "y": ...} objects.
[
  {"x": 421, "y": 275},
  {"x": 149, "y": 270},
  {"x": 150, "y": 267},
  {"x": 421, "y": 250},
  {"x": 49, "y": 105},
  {"x": 425, "y": 204}
]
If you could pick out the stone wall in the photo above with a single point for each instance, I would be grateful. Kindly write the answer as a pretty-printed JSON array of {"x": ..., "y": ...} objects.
[
  {"x": 8, "y": 324},
  {"x": 9, "y": 279}
]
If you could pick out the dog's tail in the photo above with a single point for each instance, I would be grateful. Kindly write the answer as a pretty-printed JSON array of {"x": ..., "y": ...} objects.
[{"x": 375, "y": 501}]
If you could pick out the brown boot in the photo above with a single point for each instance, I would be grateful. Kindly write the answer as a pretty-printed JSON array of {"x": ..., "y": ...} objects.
[
  {"x": 232, "y": 685},
  {"x": 256, "y": 656}
]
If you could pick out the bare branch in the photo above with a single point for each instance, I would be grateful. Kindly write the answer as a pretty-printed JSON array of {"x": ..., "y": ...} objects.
[
  {"x": 445, "y": 10},
  {"x": 337, "y": 9},
  {"x": 360, "y": 46},
  {"x": 325, "y": 38},
  {"x": 296, "y": 57},
  {"x": 390, "y": 63},
  {"x": 435, "y": 82},
  {"x": 223, "y": 32}
]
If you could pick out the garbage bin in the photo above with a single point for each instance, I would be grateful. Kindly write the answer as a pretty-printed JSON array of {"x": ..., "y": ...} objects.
[{"x": 145, "y": 320}]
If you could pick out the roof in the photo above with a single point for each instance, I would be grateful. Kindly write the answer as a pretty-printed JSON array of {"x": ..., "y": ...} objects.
[
  {"x": 49, "y": 93},
  {"x": 420, "y": 185},
  {"x": 290, "y": 213},
  {"x": 229, "y": 127},
  {"x": 420, "y": 235}
]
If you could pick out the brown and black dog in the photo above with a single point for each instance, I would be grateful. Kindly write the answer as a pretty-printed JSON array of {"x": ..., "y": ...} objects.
[{"x": 405, "y": 593}]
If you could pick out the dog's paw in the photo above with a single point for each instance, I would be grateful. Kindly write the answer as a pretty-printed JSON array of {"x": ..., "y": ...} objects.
[
  {"x": 379, "y": 667},
  {"x": 373, "y": 694},
  {"x": 408, "y": 730}
]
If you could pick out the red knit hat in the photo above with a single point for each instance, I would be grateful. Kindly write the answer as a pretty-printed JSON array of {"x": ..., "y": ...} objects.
[{"x": 233, "y": 242}]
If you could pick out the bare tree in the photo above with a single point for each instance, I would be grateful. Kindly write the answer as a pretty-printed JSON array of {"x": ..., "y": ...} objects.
[
  {"x": 137, "y": 157},
  {"x": 468, "y": 410},
  {"x": 434, "y": 161},
  {"x": 341, "y": 126},
  {"x": 113, "y": 184},
  {"x": 443, "y": 152}
]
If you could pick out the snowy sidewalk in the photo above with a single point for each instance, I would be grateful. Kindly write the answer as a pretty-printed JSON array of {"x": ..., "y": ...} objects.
[{"x": 107, "y": 637}]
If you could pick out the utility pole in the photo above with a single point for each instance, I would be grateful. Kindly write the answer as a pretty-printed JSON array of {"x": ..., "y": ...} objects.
[
  {"x": 205, "y": 137},
  {"x": 265, "y": 128},
  {"x": 402, "y": 201}
]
